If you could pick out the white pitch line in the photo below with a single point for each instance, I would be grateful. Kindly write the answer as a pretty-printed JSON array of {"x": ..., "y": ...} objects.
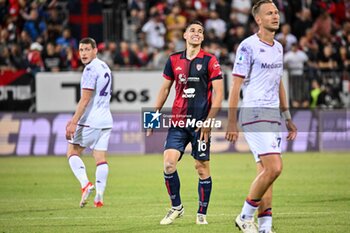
[{"x": 158, "y": 216}]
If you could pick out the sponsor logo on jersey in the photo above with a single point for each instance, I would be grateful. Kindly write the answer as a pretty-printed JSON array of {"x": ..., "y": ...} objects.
[
  {"x": 271, "y": 66},
  {"x": 189, "y": 93},
  {"x": 193, "y": 79},
  {"x": 182, "y": 78}
]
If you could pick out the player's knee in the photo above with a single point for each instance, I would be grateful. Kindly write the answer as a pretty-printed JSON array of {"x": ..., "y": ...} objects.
[
  {"x": 169, "y": 167},
  {"x": 202, "y": 169},
  {"x": 275, "y": 172}
]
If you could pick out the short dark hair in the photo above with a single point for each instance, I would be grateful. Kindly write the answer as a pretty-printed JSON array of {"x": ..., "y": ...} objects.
[
  {"x": 195, "y": 22},
  {"x": 257, "y": 4},
  {"x": 88, "y": 40}
]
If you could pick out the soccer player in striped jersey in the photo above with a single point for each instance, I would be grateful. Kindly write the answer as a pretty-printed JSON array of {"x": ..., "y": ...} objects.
[
  {"x": 199, "y": 93},
  {"x": 92, "y": 122},
  {"x": 258, "y": 71}
]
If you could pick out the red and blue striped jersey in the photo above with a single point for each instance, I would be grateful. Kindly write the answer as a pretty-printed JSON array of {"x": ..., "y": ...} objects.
[{"x": 193, "y": 83}]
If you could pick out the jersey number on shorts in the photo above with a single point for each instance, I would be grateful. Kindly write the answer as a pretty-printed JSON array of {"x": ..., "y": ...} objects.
[
  {"x": 279, "y": 141},
  {"x": 202, "y": 146},
  {"x": 103, "y": 92}
]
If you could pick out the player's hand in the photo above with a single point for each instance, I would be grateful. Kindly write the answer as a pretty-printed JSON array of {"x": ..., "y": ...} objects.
[
  {"x": 70, "y": 130},
  {"x": 232, "y": 132},
  {"x": 149, "y": 132},
  {"x": 205, "y": 134},
  {"x": 292, "y": 130}
]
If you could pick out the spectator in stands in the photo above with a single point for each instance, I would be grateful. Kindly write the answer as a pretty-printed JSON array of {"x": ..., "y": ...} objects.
[
  {"x": 5, "y": 61},
  {"x": 34, "y": 58},
  {"x": 322, "y": 27},
  {"x": 294, "y": 61},
  {"x": 327, "y": 61},
  {"x": 52, "y": 59},
  {"x": 345, "y": 56},
  {"x": 286, "y": 38},
  {"x": 175, "y": 22},
  {"x": 33, "y": 24},
  {"x": 242, "y": 10},
  {"x": 314, "y": 93},
  {"x": 216, "y": 24},
  {"x": 125, "y": 57},
  {"x": 4, "y": 37},
  {"x": 328, "y": 98},
  {"x": 143, "y": 54},
  {"x": 66, "y": 40},
  {"x": 302, "y": 22},
  {"x": 189, "y": 11},
  {"x": 154, "y": 31},
  {"x": 160, "y": 57},
  {"x": 71, "y": 59},
  {"x": 284, "y": 8},
  {"x": 11, "y": 27},
  {"x": 222, "y": 7},
  {"x": 178, "y": 42},
  {"x": 108, "y": 53},
  {"x": 55, "y": 24},
  {"x": 24, "y": 41},
  {"x": 134, "y": 24},
  {"x": 234, "y": 36},
  {"x": 17, "y": 57},
  {"x": 309, "y": 45},
  {"x": 201, "y": 9}
]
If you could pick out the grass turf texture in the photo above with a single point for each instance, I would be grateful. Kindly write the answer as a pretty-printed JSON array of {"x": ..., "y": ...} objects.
[{"x": 41, "y": 194}]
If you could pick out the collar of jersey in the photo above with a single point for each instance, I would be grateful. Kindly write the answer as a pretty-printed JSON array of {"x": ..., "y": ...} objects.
[{"x": 199, "y": 55}]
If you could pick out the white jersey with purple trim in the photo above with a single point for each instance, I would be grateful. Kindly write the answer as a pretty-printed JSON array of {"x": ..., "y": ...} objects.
[
  {"x": 98, "y": 78},
  {"x": 261, "y": 66}
]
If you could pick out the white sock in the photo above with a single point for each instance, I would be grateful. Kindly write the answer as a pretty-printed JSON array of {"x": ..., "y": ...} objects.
[
  {"x": 78, "y": 167},
  {"x": 177, "y": 207},
  {"x": 249, "y": 209},
  {"x": 101, "y": 180},
  {"x": 265, "y": 223}
]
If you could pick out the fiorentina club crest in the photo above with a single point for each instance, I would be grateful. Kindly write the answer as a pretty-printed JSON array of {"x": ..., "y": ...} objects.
[{"x": 199, "y": 67}]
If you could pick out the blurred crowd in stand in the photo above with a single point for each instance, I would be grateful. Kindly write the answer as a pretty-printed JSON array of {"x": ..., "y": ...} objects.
[{"x": 35, "y": 35}]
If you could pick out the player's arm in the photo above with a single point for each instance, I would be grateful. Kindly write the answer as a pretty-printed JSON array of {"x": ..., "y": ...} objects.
[
  {"x": 218, "y": 96},
  {"x": 292, "y": 129},
  {"x": 83, "y": 102},
  {"x": 232, "y": 131},
  {"x": 161, "y": 98},
  {"x": 163, "y": 94}
]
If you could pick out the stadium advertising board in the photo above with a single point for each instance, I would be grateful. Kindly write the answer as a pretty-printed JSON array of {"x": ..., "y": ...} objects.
[
  {"x": 131, "y": 91},
  {"x": 336, "y": 127},
  {"x": 17, "y": 90},
  {"x": 44, "y": 134}
]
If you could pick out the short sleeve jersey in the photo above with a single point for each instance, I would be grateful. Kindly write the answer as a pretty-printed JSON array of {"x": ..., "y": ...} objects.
[
  {"x": 97, "y": 77},
  {"x": 193, "y": 83},
  {"x": 261, "y": 66}
]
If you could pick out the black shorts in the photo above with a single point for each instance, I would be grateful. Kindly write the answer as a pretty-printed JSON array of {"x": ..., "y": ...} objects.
[{"x": 178, "y": 139}]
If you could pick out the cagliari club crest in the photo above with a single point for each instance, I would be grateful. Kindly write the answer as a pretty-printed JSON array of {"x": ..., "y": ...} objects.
[{"x": 199, "y": 67}]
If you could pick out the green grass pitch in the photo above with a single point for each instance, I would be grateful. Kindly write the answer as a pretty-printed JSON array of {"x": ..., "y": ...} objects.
[{"x": 40, "y": 194}]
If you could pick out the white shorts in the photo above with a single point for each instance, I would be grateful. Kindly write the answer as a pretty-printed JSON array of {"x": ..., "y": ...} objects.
[
  {"x": 263, "y": 138},
  {"x": 96, "y": 139}
]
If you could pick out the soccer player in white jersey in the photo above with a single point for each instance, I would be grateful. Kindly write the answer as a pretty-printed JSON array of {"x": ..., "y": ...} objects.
[
  {"x": 91, "y": 123},
  {"x": 258, "y": 70}
]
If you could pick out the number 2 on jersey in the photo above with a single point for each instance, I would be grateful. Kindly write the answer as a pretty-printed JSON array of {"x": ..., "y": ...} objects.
[{"x": 103, "y": 92}]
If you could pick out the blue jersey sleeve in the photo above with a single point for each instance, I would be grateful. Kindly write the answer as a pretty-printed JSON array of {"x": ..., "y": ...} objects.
[{"x": 168, "y": 72}]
